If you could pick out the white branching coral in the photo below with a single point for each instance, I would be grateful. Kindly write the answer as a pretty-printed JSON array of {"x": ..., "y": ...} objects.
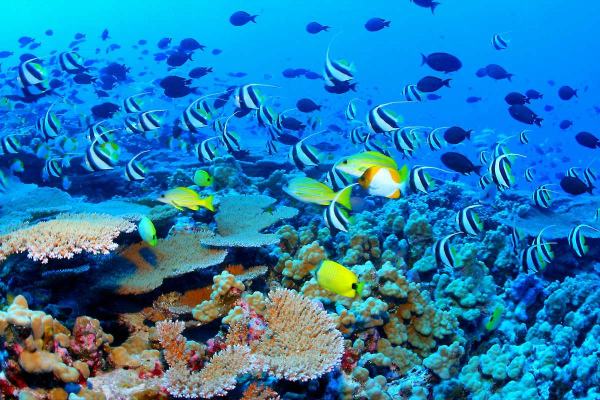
[
  {"x": 302, "y": 342},
  {"x": 66, "y": 236}
]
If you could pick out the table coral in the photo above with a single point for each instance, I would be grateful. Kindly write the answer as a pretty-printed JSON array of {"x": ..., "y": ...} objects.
[{"x": 65, "y": 236}]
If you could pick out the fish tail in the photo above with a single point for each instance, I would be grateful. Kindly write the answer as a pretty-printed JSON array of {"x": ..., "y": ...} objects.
[
  {"x": 253, "y": 18},
  {"x": 359, "y": 288},
  {"x": 387, "y": 23},
  {"x": 423, "y": 56},
  {"x": 208, "y": 203},
  {"x": 343, "y": 197},
  {"x": 538, "y": 121},
  {"x": 434, "y": 6},
  {"x": 446, "y": 82},
  {"x": 509, "y": 77}
]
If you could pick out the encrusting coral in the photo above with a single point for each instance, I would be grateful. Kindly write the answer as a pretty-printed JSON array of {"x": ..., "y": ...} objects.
[{"x": 65, "y": 236}]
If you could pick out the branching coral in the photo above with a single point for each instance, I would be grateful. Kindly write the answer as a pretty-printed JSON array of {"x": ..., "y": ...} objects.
[
  {"x": 66, "y": 236},
  {"x": 240, "y": 220},
  {"x": 179, "y": 254}
]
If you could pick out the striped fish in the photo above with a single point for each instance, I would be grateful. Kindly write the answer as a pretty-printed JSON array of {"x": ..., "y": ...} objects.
[
  {"x": 531, "y": 260},
  {"x": 543, "y": 248},
  {"x": 266, "y": 116},
  {"x": 132, "y": 125},
  {"x": 134, "y": 171},
  {"x": 411, "y": 93},
  {"x": 100, "y": 157},
  {"x": 500, "y": 170},
  {"x": 148, "y": 121},
  {"x": 405, "y": 140},
  {"x": 3, "y": 182},
  {"x": 421, "y": 181},
  {"x": 468, "y": 221},
  {"x": 542, "y": 196},
  {"x": 218, "y": 125},
  {"x": 52, "y": 168},
  {"x": 500, "y": 149},
  {"x": 100, "y": 133},
  {"x": 483, "y": 158},
  {"x": 572, "y": 172},
  {"x": 303, "y": 156},
  {"x": 194, "y": 118},
  {"x": 248, "y": 97},
  {"x": 516, "y": 237},
  {"x": 372, "y": 145},
  {"x": 10, "y": 144},
  {"x": 380, "y": 121},
  {"x": 271, "y": 148},
  {"x": 577, "y": 241},
  {"x": 205, "y": 152},
  {"x": 445, "y": 255},
  {"x": 336, "y": 179},
  {"x": 337, "y": 71},
  {"x": 351, "y": 110},
  {"x": 71, "y": 62},
  {"x": 484, "y": 181},
  {"x": 35, "y": 90},
  {"x": 132, "y": 105},
  {"x": 590, "y": 176},
  {"x": 357, "y": 135},
  {"x": 530, "y": 174},
  {"x": 433, "y": 139},
  {"x": 49, "y": 125},
  {"x": 31, "y": 72},
  {"x": 523, "y": 136},
  {"x": 499, "y": 42},
  {"x": 230, "y": 138},
  {"x": 335, "y": 217}
]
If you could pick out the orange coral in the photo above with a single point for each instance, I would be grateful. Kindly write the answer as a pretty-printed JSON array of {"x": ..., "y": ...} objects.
[
  {"x": 259, "y": 392},
  {"x": 172, "y": 341},
  {"x": 65, "y": 236}
]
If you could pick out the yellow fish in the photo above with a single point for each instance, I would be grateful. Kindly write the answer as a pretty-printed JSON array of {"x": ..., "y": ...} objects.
[
  {"x": 309, "y": 190},
  {"x": 338, "y": 279},
  {"x": 202, "y": 178},
  {"x": 384, "y": 182},
  {"x": 182, "y": 197},
  {"x": 357, "y": 164}
]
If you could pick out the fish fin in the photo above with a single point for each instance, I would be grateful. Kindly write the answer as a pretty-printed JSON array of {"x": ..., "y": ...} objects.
[
  {"x": 343, "y": 197},
  {"x": 403, "y": 174},
  {"x": 395, "y": 194},
  {"x": 423, "y": 56},
  {"x": 208, "y": 203},
  {"x": 434, "y": 6},
  {"x": 177, "y": 206},
  {"x": 253, "y": 18},
  {"x": 446, "y": 82}
]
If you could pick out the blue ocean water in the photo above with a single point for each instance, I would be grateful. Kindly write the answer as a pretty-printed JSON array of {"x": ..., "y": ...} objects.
[{"x": 506, "y": 272}]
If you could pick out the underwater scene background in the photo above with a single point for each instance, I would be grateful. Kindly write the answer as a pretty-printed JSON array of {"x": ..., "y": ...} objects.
[{"x": 299, "y": 200}]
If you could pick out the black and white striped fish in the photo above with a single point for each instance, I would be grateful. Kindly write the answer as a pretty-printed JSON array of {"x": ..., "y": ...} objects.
[
  {"x": 499, "y": 42},
  {"x": 194, "y": 118},
  {"x": 542, "y": 196},
  {"x": 516, "y": 237},
  {"x": 132, "y": 105},
  {"x": 205, "y": 152},
  {"x": 530, "y": 174},
  {"x": 132, "y": 125},
  {"x": 52, "y": 168},
  {"x": 577, "y": 241},
  {"x": 230, "y": 139},
  {"x": 523, "y": 136},
  {"x": 500, "y": 149},
  {"x": 149, "y": 121},
  {"x": 411, "y": 93},
  {"x": 35, "y": 90},
  {"x": 598, "y": 214},
  {"x": 373, "y": 145},
  {"x": 31, "y": 73},
  {"x": 483, "y": 158},
  {"x": 444, "y": 254},
  {"x": 336, "y": 179},
  {"x": 590, "y": 176},
  {"x": 266, "y": 116},
  {"x": 468, "y": 221},
  {"x": 543, "y": 248},
  {"x": 421, "y": 181},
  {"x": 218, "y": 125},
  {"x": 10, "y": 144},
  {"x": 99, "y": 133},
  {"x": 335, "y": 217},
  {"x": 380, "y": 120},
  {"x": 572, "y": 172},
  {"x": 71, "y": 62},
  {"x": 271, "y": 148},
  {"x": 49, "y": 124},
  {"x": 358, "y": 135},
  {"x": 405, "y": 140},
  {"x": 97, "y": 158},
  {"x": 302, "y": 155},
  {"x": 351, "y": 110},
  {"x": 433, "y": 140},
  {"x": 500, "y": 170},
  {"x": 484, "y": 181},
  {"x": 531, "y": 260},
  {"x": 337, "y": 71},
  {"x": 134, "y": 171},
  {"x": 248, "y": 97}
]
